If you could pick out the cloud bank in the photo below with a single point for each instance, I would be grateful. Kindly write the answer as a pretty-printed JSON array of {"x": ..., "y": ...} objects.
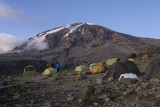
[
  {"x": 37, "y": 43},
  {"x": 8, "y": 42}
]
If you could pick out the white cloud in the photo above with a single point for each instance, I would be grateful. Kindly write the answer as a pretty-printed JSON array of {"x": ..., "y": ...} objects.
[
  {"x": 37, "y": 43},
  {"x": 8, "y": 42}
]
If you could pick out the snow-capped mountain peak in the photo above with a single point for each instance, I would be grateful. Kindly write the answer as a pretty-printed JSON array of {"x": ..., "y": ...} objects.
[
  {"x": 40, "y": 42},
  {"x": 72, "y": 29},
  {"x": 68, "y": 26}
]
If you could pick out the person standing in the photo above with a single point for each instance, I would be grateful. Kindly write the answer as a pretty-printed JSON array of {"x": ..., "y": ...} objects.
[{"x": 58, "y": 67}]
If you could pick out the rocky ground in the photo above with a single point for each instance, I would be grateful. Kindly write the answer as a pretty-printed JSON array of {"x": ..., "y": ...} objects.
[{"x": 71, "y": 90}]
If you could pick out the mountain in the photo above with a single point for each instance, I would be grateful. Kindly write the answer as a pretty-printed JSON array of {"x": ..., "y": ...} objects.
[
  {"x": 85, "y": 34},
  {"x": 76, "y": 43}
]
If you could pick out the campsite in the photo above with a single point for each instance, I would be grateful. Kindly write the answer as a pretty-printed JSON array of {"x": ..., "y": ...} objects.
[
  {"x": 85, "y": 86},
  {"x": 79, "y": 53}
]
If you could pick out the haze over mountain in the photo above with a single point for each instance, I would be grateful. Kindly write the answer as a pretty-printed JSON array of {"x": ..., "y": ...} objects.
[{"x": 79, "y": 42}]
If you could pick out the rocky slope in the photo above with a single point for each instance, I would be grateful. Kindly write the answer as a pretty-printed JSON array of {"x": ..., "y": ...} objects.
[{"x": 69, "y": 90}]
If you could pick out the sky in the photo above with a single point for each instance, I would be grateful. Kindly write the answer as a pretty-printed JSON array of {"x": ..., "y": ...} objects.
[{"x": 23, "y": 19}]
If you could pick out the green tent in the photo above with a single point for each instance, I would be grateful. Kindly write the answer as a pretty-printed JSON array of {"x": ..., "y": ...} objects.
[
  {"x": 29, "y": 71},
  {"x": 122, "y": 67},
  {"x": 49, "y": 71},
  {"x": 153, "y": 68},
  {"x": 81, "y": 68}
]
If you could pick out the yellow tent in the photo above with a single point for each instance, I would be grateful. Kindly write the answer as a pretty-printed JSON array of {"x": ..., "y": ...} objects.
[
  {"x": 29, "y": 71},
  {"x": 96, "y": 68},
  {"x": 49, "y": 71}
]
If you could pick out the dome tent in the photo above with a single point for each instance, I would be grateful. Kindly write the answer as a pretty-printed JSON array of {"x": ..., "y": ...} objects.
[
  {"x": 29, "y": 71},
  {"x": 81, "y": 68},
  {"x": 122, "y": 67},
  {"x": 96, "y": 68},
  {"x": 49, "y": 71},
  {"x": 131, "y": 57},
  {"x": 153, "y": 68}
]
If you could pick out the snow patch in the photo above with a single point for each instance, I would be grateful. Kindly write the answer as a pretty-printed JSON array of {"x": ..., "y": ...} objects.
[
  {"x": 90, "y": 24},
  {"x": 72, "y": 29},
  {"x": 41, "y": 34},
  {"x": 54, "y": 30},
  {"x": 58, "y": 29},
  {"x": 128, "y": 75},
  {"x": 82, "y": 30}
]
